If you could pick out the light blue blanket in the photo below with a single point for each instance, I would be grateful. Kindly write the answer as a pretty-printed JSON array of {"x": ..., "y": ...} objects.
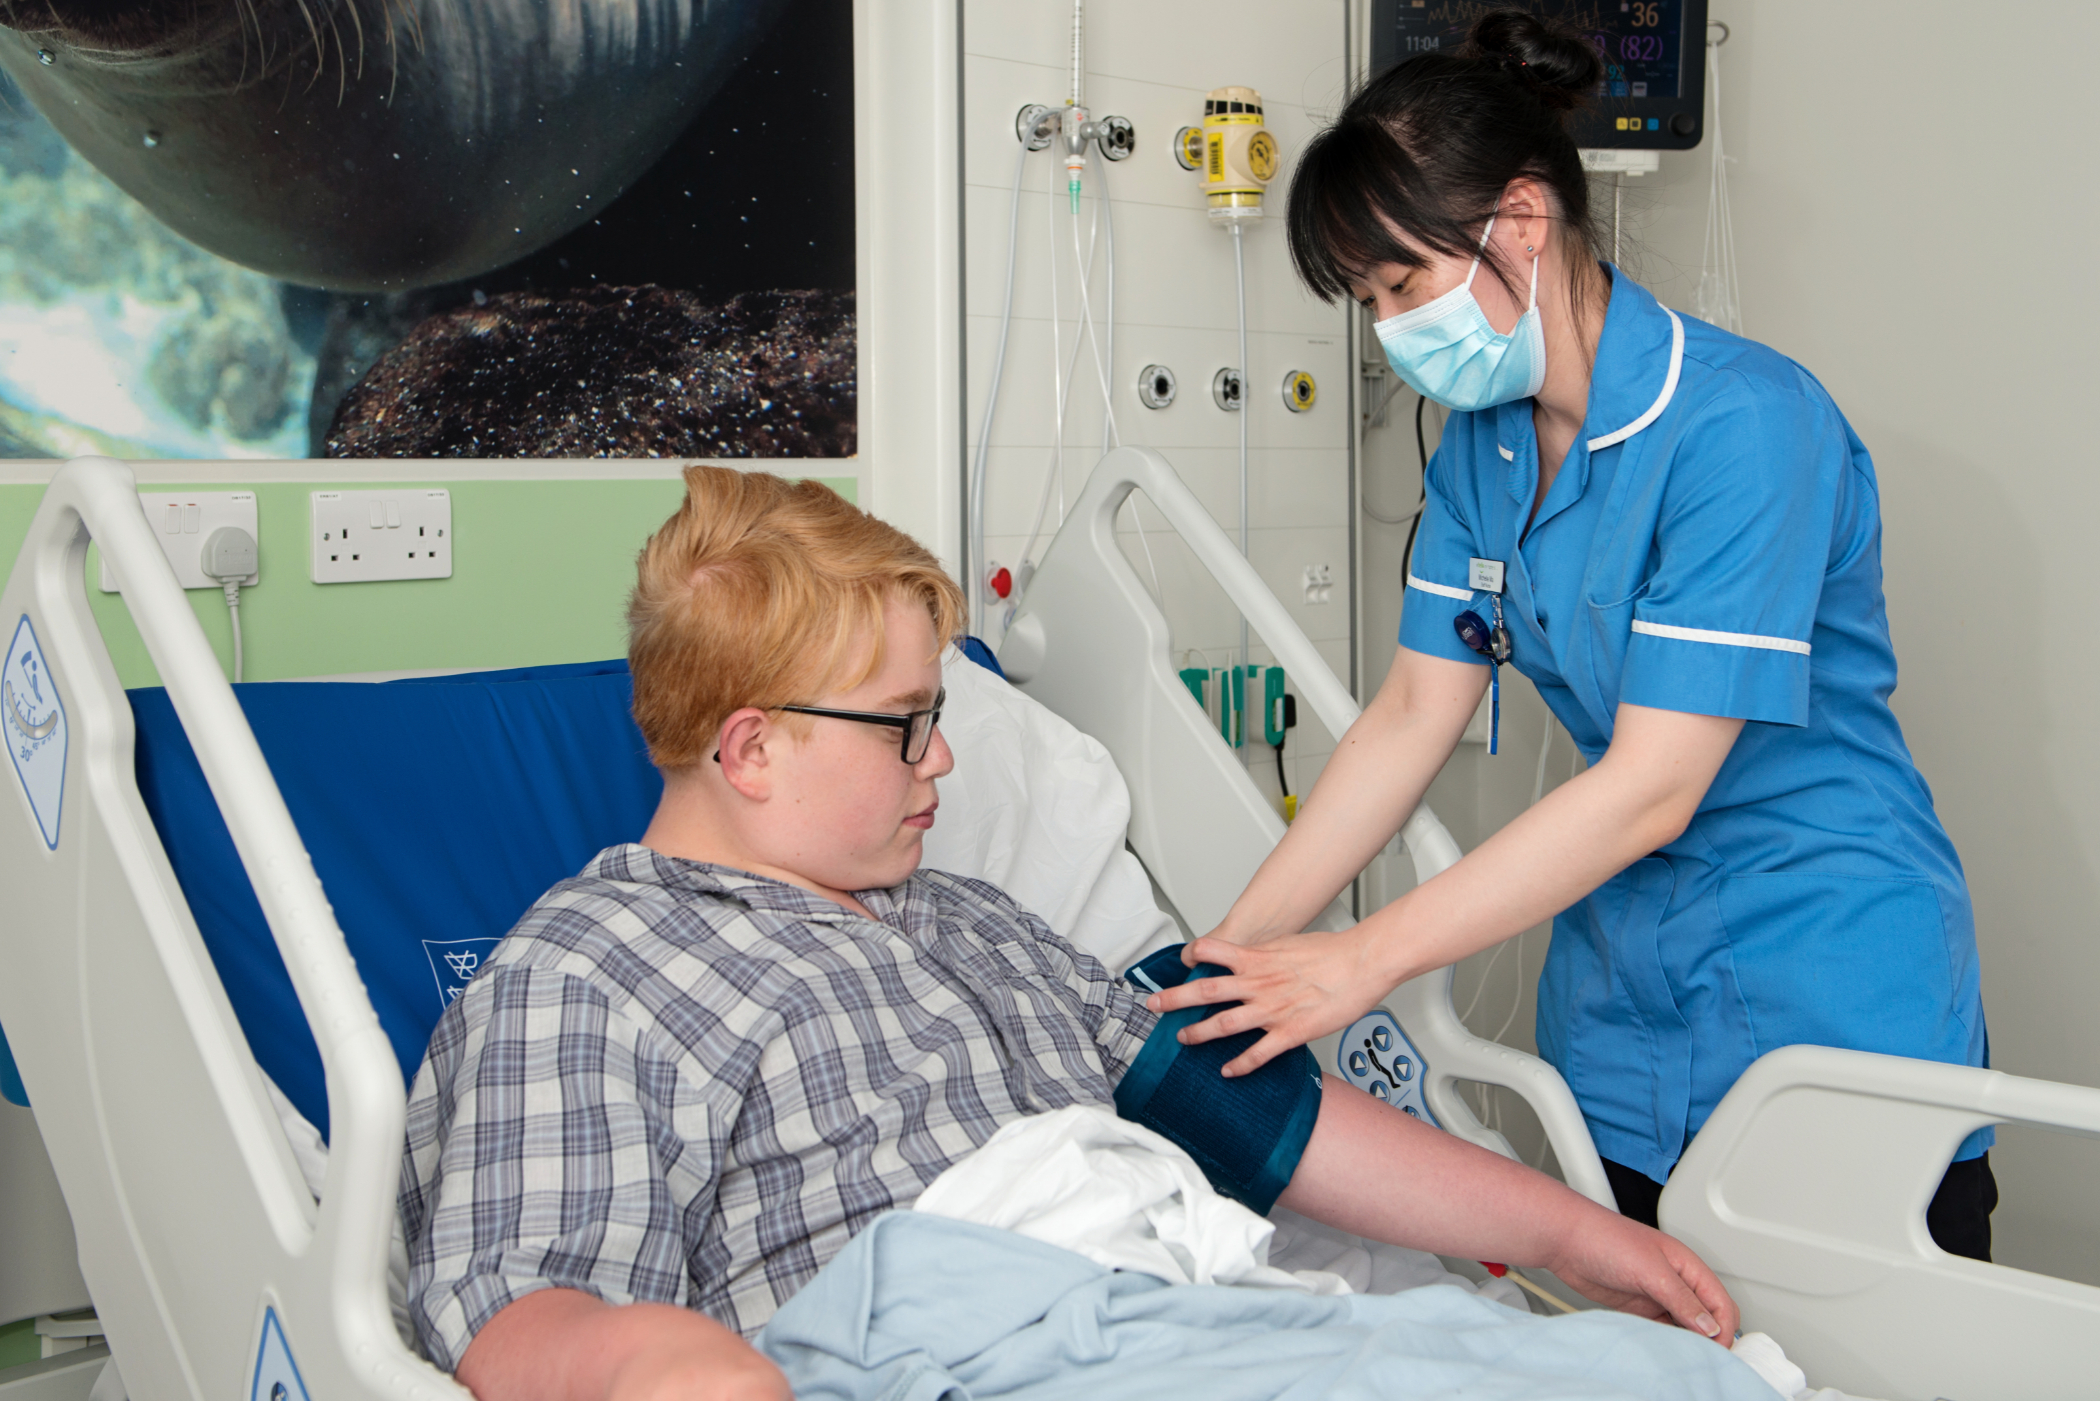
[{"x": 921, "y": 1308}]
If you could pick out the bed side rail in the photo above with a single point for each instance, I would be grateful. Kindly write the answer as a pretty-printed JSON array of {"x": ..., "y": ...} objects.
[
  {"x": 195, "y": 1229},
  {"x": 1811, "y": 1181},
  {"x": 1090, "y": 643}
]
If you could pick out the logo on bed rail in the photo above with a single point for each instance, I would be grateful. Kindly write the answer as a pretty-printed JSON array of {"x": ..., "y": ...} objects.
[
  {"x": 34, "y": 721},
  {"x": 454, "y": 962},
  {"x": 276, "y": 1374}
]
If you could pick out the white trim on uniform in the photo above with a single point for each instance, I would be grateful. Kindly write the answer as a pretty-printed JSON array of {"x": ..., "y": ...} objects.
[
  {"x": 1441, "y": 590},
  {"x": 1722, "y": 639},
  {"x": 1507, "y": 455},
  {"x": 1662, "y": 400}
]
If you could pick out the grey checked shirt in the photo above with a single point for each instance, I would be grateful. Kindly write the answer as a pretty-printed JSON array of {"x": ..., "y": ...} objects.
[{"x": 679, "y": 1083}]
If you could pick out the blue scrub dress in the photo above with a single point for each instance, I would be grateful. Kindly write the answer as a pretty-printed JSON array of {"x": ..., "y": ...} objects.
[{"x": 1712, "y": 544}]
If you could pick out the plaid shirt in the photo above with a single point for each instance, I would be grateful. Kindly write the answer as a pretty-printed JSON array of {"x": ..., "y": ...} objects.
[{"x": 680, "y": 1083}]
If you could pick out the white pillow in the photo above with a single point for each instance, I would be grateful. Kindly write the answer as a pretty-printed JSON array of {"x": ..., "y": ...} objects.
[{"x": 1039, "y": 810}]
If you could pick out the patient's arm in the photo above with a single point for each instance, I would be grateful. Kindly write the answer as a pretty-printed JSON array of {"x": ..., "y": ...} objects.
[
  {"x": 1374, "y": 1171},
  {"x": 565, "y": 1345}
]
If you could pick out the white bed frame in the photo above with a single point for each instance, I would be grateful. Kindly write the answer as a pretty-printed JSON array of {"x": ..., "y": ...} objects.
[
  {"x": 1824, "y": 1248},
  {"x": 193, "y": 1223}
]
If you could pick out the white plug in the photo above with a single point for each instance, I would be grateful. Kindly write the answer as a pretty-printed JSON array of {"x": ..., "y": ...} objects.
[{"x": 230, "y": 557}]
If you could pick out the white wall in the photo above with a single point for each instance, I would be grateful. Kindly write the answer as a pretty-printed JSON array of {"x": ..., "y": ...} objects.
[
  {"x": 1153, "y": 63},
  {"x": 1913, "y": 201}
]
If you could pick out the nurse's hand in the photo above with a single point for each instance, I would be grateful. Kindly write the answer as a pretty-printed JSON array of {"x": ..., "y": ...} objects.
[
  {"x": 1299, "y": 986},
  {"x": 1636, "y": 1269}
]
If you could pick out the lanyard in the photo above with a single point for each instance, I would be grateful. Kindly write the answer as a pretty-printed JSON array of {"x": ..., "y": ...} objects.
[{"x": 1489, "y": 640}]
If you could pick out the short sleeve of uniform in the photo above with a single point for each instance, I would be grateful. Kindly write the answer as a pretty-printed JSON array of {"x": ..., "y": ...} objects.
[
  {"x": 1438, "y": 571},
  {"x": 542, "y": 1156},
  {"x": 1724, "y": 623}
]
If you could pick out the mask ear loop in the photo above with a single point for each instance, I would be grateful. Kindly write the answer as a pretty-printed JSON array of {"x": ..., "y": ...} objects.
[{"x": 1474, "y": 271}]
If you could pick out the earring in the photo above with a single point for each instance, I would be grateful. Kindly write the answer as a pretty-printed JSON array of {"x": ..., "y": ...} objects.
[{"x": 1527, "y": 248}]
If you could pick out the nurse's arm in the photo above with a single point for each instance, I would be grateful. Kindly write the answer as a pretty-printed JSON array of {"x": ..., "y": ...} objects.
[
  {"x": 1640, "y": 796},
  {"x": 1371, "y": 784}
]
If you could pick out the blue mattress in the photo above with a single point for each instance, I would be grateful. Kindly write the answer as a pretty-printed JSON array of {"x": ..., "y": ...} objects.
[{"x": 436, "y": 811}]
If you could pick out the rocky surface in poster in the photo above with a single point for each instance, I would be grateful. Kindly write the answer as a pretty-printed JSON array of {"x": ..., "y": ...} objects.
[{"x": 613, "y": 372}]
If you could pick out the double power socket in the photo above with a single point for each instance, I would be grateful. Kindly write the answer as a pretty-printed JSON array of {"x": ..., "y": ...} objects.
[{"x": 357, "y": 536}]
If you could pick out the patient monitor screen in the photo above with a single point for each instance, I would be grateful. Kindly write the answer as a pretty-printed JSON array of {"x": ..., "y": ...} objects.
[{"x": 1650, "y": 72}]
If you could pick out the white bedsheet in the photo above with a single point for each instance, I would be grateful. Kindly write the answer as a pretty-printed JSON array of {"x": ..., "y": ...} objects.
[{"x": 1124, "y": 1197}]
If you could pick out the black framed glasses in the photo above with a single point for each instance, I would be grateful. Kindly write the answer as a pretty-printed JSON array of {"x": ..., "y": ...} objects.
[{"x": 917, "y": 726}]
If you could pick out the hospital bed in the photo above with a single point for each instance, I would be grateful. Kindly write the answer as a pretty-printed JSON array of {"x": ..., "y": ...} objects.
[{"x": 217, "y": 1271}]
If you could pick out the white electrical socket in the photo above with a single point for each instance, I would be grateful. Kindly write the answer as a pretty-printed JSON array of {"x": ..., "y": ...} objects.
[
  {"x": 182, "y": 521},
  {"x": 362, "y": 536},
  {"x": 1319, "y": 583}
]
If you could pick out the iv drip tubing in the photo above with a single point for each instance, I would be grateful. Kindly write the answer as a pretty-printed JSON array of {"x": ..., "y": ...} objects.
[
  {"x": 979, "y": 565},
  {"x": 1054, "y": 477},
  {"x": 1239, "y": 270},
  {"x": 1111, "y": 436}
]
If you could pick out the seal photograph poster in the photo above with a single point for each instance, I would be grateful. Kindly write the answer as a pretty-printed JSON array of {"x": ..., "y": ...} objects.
[{"x": 427, "y": 228}]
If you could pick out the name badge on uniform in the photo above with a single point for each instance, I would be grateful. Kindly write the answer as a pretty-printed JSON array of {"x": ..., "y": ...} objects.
[{"x": 1486, "y": 576}]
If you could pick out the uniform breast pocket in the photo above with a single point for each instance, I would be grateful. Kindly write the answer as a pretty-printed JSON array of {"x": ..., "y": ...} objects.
[
  {"x": 1610, "y": 625},
  {"x": 1850, "y": 961}
]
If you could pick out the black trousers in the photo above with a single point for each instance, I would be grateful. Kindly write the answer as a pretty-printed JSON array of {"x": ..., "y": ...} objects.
[{"x": 1959, "y": 1217}]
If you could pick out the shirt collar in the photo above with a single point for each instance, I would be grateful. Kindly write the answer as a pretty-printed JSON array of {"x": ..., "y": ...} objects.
[
  {"x": 903, "y": 908},
  {"x": 1639, "y": 355}
]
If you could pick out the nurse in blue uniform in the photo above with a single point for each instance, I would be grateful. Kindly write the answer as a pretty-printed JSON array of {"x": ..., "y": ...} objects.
[{"x": 1675, "y": 535}]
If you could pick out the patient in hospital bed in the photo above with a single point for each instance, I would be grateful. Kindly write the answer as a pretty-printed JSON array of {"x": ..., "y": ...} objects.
[{"x": 702, "y": 1069}]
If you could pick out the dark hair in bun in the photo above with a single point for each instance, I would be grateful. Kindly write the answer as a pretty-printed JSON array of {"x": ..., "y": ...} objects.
[
  {"x": 1558, "y": 61},
  {"x": 1428, "y": 147}
]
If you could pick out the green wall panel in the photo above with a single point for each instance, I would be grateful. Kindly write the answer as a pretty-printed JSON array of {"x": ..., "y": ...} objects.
[{"x": 540, "y": 574}]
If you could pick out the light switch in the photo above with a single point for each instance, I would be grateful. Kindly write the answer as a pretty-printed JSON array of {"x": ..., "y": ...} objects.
[
  {"x": 393, "y": 514},
  {"x": 171, "y": 520},
  {"x": 192, "y": 519}
]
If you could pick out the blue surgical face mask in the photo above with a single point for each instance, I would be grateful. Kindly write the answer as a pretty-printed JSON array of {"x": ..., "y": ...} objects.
[{"x": 1447, "y": 351}]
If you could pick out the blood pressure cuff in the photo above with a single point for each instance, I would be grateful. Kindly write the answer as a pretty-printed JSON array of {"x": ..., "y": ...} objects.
[{"x": 1247, "y": 1133}]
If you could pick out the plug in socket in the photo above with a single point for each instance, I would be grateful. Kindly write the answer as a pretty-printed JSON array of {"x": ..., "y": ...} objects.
[{"x": 183, "y": 520}]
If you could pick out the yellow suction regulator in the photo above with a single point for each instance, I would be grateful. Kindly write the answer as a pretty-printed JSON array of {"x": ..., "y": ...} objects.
[
  {"x": 1233, "y": 150},
  {"x": 1299, "y": 391}
]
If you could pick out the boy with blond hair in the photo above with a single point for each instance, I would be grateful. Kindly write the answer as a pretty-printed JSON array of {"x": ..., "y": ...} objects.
[{"x": 696, "y": 1070}]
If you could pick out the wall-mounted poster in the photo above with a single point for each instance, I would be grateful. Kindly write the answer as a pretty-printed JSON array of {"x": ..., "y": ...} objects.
[{"x": 426, "y": 228}]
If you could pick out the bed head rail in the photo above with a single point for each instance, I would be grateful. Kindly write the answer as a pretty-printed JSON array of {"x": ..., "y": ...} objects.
[
  {"x": 209, "y": 1263},
  {"x": 1089, "y": 642}
]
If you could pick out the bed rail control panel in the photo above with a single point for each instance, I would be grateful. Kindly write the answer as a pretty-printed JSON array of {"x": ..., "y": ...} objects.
[{"x": 1376, "y": 1057}]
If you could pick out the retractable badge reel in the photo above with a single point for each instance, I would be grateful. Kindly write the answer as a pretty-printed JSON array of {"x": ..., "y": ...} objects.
[{"x": 1489, "y": 640}]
